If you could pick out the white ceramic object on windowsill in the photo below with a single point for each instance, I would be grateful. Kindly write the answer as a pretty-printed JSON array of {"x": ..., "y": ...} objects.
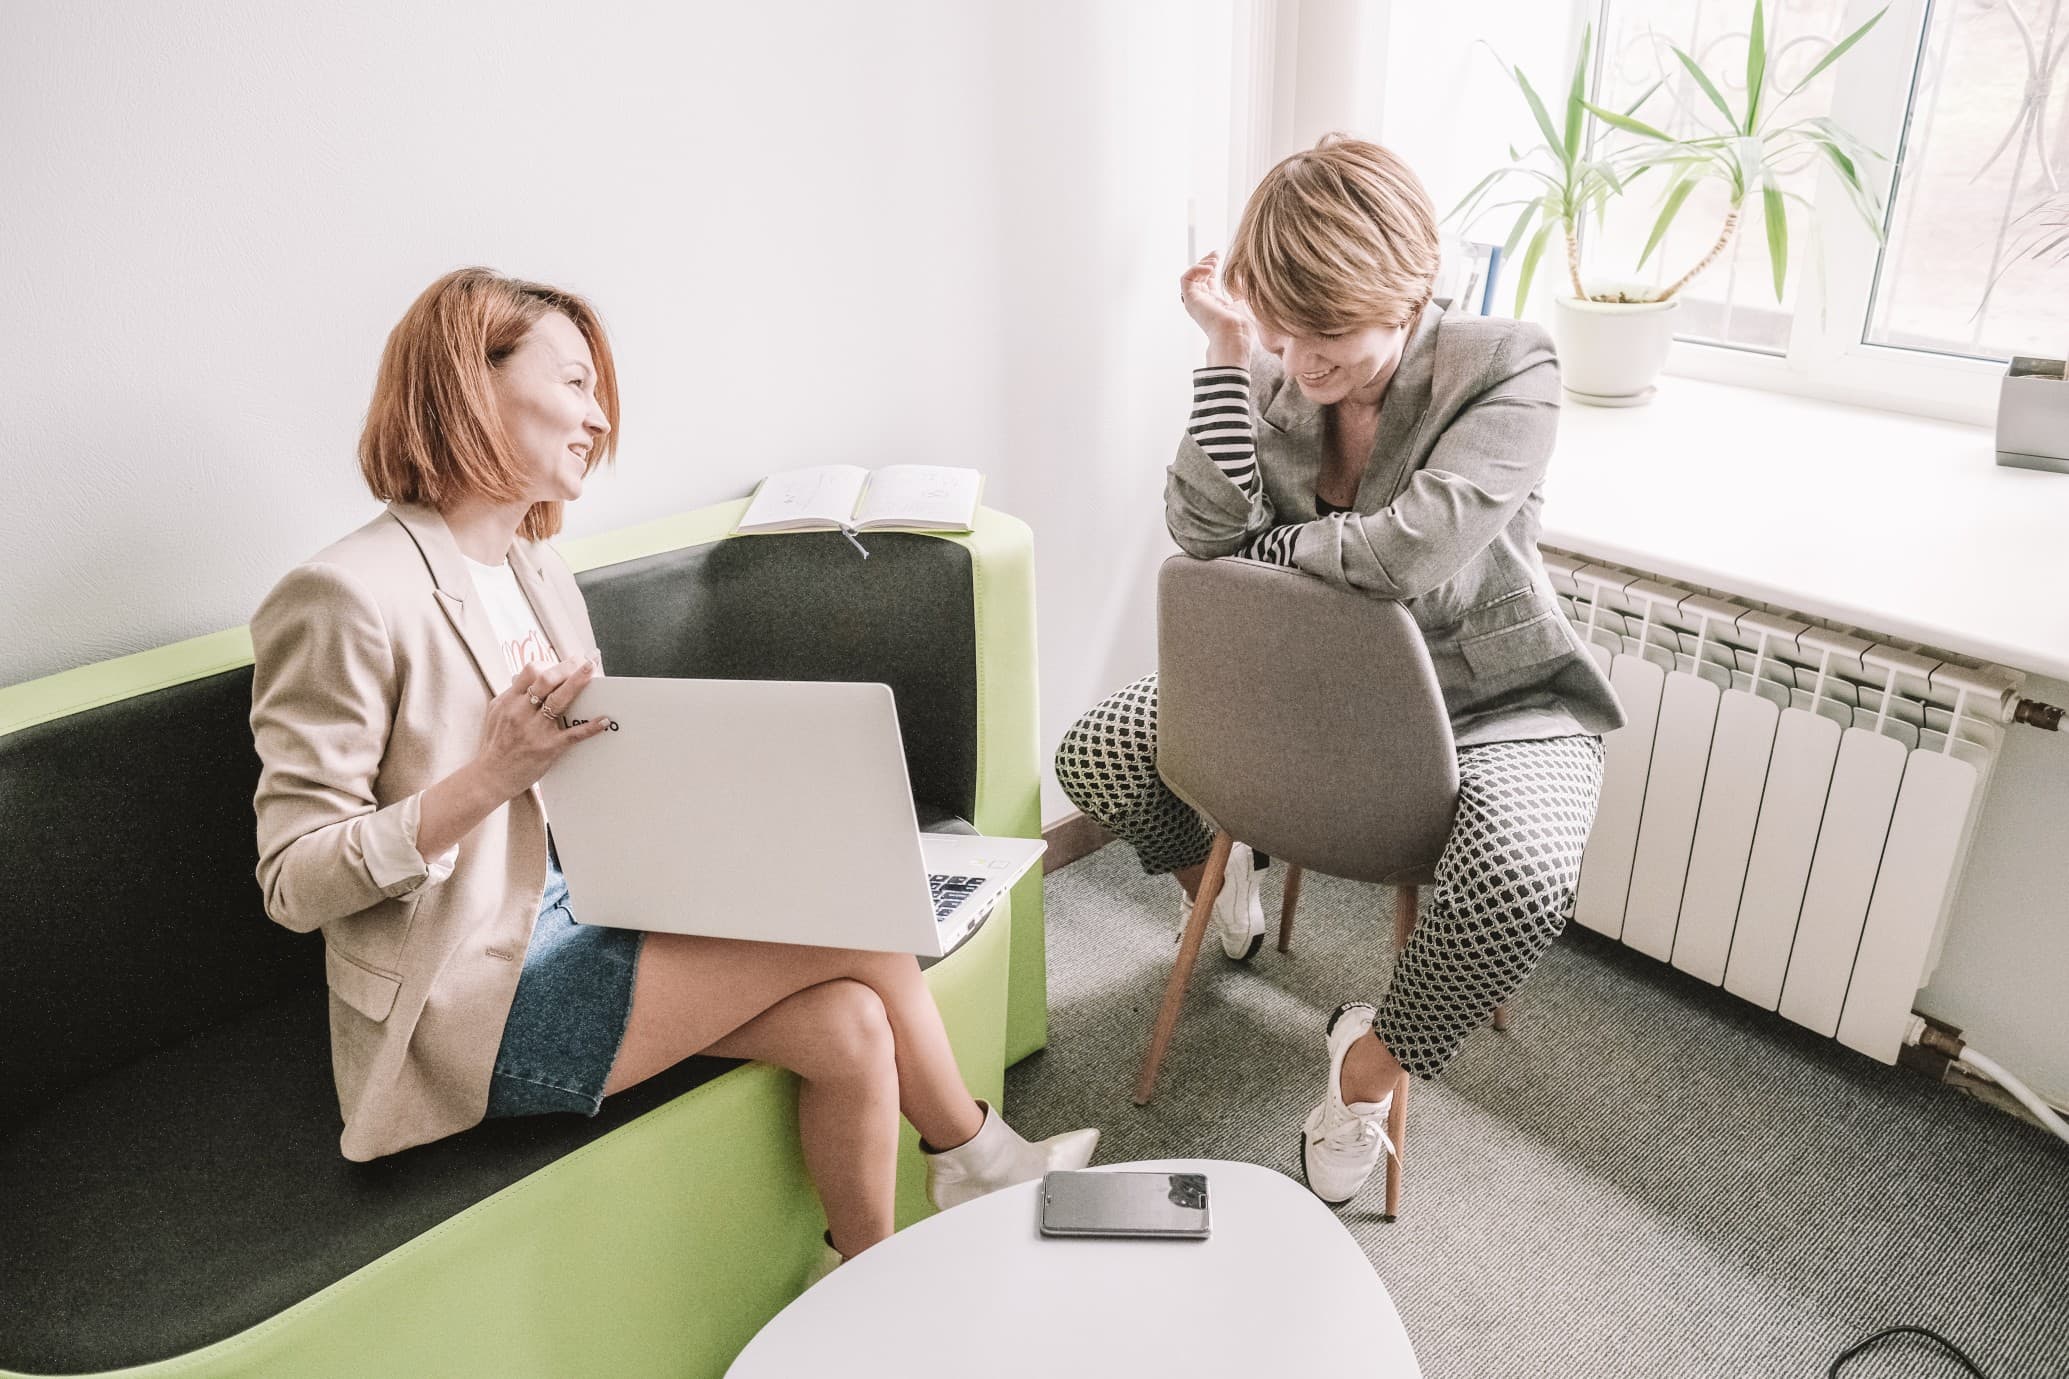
[
  {"x": 2033, "y": 415},
  {"x": 1610, "y": 352}
]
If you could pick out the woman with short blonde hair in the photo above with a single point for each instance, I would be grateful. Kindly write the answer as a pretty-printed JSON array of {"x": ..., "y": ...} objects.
[
  {"x": 1346, "y": 426},
  {"x": 1336, "y": 239},
  {"x": 410, "y": 686}
]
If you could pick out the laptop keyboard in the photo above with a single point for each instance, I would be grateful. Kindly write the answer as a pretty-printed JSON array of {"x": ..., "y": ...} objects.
[{"x": 951, "y": 891}]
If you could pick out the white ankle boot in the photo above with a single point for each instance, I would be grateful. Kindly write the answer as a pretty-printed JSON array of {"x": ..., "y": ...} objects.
[{"x": 996, "y": 1157}]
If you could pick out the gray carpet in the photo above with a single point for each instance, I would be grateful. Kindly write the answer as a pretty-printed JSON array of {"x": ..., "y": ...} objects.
[{"x": 1644, "y": 1176}]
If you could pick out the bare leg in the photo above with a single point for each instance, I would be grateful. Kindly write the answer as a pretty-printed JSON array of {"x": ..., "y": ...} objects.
[
  {"x": 1190, "y": 877},
  {"x": 930, "y": 1085},
  {"x": 1370, "y": 1070},
  {"x": 836, "y": 1038},
  {"x": 692, "y": 992}
]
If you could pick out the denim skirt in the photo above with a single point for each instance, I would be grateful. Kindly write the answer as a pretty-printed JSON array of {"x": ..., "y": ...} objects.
[{"x": 574, "y": 997}]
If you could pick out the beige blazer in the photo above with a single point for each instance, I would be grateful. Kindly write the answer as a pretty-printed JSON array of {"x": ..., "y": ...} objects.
[{"x": 373, "y": 665}]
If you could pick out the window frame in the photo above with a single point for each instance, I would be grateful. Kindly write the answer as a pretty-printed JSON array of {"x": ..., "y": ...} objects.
[{"x": 1827, "y": 355}]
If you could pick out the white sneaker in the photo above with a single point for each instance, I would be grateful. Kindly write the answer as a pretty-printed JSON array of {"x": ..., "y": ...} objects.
[
  {"x": 1340, "y": 1144},
  {"x": 1238, "y": 909}
]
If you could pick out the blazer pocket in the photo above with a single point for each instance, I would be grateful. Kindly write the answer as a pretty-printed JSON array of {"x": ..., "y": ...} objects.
[
  {"x": 1528, "y": 643},
  {"x": 370, "y": 993}
]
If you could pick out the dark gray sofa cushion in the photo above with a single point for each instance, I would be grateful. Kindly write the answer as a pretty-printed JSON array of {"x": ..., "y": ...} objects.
[
  {"x": 199, "y": 1190},
  {"x": 805, "y": 606}
]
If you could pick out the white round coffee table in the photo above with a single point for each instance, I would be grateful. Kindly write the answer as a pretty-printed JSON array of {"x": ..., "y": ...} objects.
[{"x": 1281, "y": 1288}]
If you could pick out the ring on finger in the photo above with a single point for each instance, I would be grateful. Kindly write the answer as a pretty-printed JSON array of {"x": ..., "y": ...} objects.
[{"x": 537, "y": 702}]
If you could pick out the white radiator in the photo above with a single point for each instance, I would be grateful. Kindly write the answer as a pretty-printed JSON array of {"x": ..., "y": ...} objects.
[{"x": 1788, "y": 811}]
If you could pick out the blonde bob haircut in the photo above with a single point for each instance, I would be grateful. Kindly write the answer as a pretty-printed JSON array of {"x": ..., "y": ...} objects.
[
  {"x": 1339, "y": 237},
  {"x": 433, "y": 434}
]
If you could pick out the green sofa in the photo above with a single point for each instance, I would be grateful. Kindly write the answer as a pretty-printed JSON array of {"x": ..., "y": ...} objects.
[{"x": 173, "y": 1196}]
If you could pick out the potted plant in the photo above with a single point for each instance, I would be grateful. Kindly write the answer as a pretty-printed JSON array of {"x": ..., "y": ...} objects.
[{"x": 1613, "y": 339}]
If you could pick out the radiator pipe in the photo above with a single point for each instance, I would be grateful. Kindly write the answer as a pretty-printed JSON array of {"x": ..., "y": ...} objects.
[
  {"x": 1940, "y": 1044},
  {"x": 2038, "y": 715},
  {"x": 2044, "y": 1113}
]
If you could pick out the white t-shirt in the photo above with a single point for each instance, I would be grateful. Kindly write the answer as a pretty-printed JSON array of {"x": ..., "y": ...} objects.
[
  {"x": 510, "y": 613},
  {"x": 522, "y": 639},
  {"x": 517, "y": 626}
]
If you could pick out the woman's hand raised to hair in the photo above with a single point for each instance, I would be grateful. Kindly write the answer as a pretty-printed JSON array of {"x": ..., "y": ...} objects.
[{"x": 1231, "y": 334}]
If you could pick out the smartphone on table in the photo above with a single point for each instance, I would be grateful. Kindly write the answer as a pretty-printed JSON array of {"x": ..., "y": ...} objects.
[{"x": 1158, "y": 1206}]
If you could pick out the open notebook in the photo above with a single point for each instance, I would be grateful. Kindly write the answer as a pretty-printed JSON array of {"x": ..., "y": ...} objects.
[{"x": 846, "y": 497}]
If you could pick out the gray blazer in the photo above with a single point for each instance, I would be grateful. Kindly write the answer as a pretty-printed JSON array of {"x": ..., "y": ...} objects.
[{"x": 1446, "y": 520}]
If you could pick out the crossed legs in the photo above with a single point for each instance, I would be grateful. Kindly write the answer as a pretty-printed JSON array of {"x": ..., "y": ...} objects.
[{"x": 860, "y": 1030}]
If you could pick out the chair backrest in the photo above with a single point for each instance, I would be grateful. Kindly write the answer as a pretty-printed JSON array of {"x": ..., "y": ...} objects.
[{"x": 1304, "y": 719}]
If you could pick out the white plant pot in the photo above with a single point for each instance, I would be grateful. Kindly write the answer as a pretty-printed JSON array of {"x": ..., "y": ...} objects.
[{"x": 1610, "y": 352}]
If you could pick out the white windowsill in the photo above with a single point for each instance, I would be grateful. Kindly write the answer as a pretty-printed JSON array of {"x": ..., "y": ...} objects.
[{"x": 1877, "y": 520}]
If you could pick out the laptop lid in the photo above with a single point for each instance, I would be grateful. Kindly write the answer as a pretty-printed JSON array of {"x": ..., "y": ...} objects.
[{"x": 756, "y": 809}]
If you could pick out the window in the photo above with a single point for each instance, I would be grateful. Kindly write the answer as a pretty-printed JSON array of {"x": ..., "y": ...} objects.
[
  {"x": 1981, "y": 186},
  {"x": 1733, "y": 301},
  {"x": 1963, "y": 98}
]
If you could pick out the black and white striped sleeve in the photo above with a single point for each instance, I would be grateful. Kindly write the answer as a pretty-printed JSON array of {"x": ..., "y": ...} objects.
[
  {"x": 1275, "y": 547},
  {"x": 1222, "y": 425}
]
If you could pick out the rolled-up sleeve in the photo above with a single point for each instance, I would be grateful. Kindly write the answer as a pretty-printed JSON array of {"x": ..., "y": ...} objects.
[
  {"x": 323, "y": 702},
  {"x": 398, "y": 870},
  {"x": 1488, "y": 461},
  {"x": 1214, "y": 500}
]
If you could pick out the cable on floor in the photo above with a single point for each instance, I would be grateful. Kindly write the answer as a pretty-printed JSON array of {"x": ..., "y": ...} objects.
[{"x": 1952, "y": 1349}]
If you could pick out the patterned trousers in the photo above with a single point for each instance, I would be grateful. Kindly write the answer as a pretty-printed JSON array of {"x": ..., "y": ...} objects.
[{"x": 1504, "y": 886}]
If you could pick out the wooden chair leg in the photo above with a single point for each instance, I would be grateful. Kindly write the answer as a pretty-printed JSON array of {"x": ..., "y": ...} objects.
[
  {"x": 1501, "y": 1017},
  {"x": 1182, "y": 969},
  {"x": 1404, "y": 917},
  {"x": 1397, "y": 1130},
  {"x": 1286, "y": 905}
]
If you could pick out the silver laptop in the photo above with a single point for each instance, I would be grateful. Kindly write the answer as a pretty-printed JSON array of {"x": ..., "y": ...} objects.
[{"x": 763, "y": 809}]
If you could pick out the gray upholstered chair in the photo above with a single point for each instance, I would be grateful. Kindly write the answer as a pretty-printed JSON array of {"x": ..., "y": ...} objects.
[{"x": 1304, "y": 720}]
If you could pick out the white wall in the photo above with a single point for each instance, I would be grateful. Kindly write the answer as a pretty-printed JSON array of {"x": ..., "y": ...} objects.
[
  {"x": 2002, "y": 970},
  {"x": 1107, "y": 128},
  {"x": 900, "y": 231}
]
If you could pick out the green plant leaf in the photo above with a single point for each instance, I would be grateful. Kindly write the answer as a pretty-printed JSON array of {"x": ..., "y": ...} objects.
[
  {"x": 1530, "y": 258},
  {"x": 1482, "y": 185},
  {"x": 1838, "y": 50},
  {"x": 1777, "y": 233},
  {"x": 1864, "y": 202},
  {"x": 1855, "y": 148},
  {"x": 1667, "y": 213},
  {"x": 1748, "y": 163},
  {"x": 1508, "y": 248},
  {"x": 1627, "y": 124},
  {"x": 1756, "y": 63},
  {"x": 1632, "y": 108},
  {"x": 1709, "y": 87},
  {"x": 1537, "y": 108},
  {"x": 1576, "y": 96},
  {"x": 1840, "y": 161}
]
